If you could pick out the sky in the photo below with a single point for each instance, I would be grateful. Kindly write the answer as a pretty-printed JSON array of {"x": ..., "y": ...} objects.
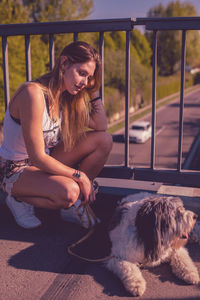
[{"x": 108, "y": 9}]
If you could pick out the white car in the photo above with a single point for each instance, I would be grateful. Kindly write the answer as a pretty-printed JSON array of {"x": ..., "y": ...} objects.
[{"x": 140, "y": 132}]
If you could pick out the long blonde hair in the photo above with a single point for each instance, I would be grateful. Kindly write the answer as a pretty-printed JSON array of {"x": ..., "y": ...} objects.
[{"x": 75, "y": 109}]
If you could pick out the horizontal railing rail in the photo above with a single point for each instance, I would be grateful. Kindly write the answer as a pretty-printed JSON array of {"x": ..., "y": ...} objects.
[
  {"x": 176, "y": 23},
  {"x": 66, "y": 27},
  {"x": 127, "y": 24}
]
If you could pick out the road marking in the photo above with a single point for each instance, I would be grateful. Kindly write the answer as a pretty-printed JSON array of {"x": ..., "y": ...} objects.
[{"x": 160, "y": 130}]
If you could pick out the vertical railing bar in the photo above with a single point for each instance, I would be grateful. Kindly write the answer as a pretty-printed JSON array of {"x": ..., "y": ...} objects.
[
  {"x": 5, "y": 70},
  {"x": 181, "y": 111},
  {"x": 127, "y": 96},
  {"x": 154, "y": 85},
  {"x": 51, "y": 52},
  {"x": 28, "y": 57},
  {"x": 75, "y": 36},
  {"x": 101, "y": 52}
]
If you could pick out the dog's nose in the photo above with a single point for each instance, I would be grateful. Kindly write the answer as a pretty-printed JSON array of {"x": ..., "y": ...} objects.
[{"x": 195, "y": 216}]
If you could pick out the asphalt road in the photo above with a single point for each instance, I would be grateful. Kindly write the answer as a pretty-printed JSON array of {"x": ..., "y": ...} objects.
[{"x": 167, "y": 124}]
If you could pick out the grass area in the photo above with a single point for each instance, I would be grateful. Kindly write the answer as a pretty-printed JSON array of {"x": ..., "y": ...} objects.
[{"x": 2, "y": 113}]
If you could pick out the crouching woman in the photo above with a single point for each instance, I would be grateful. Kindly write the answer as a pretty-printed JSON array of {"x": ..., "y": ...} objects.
[{"x": 48, "y": 158}]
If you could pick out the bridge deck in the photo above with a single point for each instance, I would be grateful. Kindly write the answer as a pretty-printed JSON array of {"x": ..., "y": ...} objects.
[{"x": 35, "y": 264}]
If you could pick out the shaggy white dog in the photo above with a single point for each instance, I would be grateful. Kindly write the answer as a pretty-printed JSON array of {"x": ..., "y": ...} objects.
[{"x": 147, "y": 230}]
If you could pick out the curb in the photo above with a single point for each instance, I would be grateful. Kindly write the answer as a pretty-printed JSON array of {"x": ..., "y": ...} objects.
[{"x": 192, "y": 152}]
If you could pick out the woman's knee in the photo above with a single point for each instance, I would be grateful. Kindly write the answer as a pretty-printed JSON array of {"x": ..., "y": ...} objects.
[
  {"x": 67, "y": 195},
  {"x": 105, "y": 142}
]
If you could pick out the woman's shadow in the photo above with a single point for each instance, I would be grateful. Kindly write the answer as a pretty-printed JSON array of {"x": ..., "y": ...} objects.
[
  {"x": 50, "y": 241},
  {"x": 47, "y": 246}
]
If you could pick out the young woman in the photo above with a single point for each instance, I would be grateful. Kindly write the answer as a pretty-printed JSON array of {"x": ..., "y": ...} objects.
[{"x": 48, "y": 157}]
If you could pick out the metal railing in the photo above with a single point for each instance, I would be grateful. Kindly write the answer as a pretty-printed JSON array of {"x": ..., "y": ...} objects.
[
  {"x": 178, "y": 175},
  {"x": 153, "y": 24}
]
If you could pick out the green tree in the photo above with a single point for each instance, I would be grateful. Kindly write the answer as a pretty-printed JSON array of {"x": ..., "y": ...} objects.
[
  {"x": 140, "y": 73},
  {"x": 58, "y": 10},
  {"x": 26, "y": 11},
  {"x": 142, "y": 47},
  {"x": 15, "y": 12},
  {"x": 169, "y": 42},
  {"x": 12, "y": 11}
]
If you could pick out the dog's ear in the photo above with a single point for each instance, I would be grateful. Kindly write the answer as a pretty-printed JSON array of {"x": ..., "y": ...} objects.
[{"x": 151, "y": 226}]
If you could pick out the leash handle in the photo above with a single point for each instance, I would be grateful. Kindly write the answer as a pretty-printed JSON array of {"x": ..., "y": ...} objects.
[{"x": 91, "y": 217}]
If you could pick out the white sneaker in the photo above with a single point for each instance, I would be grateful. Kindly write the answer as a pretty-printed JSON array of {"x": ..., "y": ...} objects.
[
  {"x": 23, "y": 213},
  {"x": 78, "y": 215}
]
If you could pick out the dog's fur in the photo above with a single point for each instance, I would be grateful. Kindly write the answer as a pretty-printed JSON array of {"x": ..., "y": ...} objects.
[{"x": 147, "y": 230}]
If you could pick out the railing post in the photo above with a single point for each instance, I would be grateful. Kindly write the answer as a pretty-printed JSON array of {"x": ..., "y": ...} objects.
[
  {"x": 127, "y": 98},
  {"x": 101, "y": 52},
  {"x": 75, "y": 36},
  {"x": 5, "y": 70},
  {"x": 181, "y": 111},
  {"x": 28, "y": 57},
  {"x": 154, "y": 84},
  {"x": 51, "y": 52}
]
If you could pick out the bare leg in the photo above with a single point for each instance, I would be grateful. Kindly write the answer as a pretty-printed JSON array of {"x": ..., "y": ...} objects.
[
  {"x": 54, "y": 192},
  {"x": 41, "y": 189},
  {"x": 91, "y": 153},
  {"x": 44, "y": 190}
]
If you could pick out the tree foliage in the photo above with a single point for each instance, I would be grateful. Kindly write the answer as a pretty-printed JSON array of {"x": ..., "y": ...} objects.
[
  {"x": 15, "y": 12},
  {"x": 27, "y": 11},
  {"x": 140, "y": 72},
  {"x": 142, "y": 47},
  {"x": 169, "y": 42},
  {"x": 12, "y": 12},
  {"x": 56, "y": 10}
]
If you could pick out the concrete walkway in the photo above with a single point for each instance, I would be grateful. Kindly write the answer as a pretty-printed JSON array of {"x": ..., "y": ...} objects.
[{"x": 35, "y": 263}]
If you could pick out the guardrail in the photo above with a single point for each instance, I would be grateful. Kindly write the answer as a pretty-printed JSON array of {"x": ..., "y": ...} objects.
[
  {"x": 179, "y": 175},
  {"x": 153, "y": 24}
]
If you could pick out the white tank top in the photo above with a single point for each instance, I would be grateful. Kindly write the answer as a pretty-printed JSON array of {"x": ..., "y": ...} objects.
[{"x": 13, "y": 145}]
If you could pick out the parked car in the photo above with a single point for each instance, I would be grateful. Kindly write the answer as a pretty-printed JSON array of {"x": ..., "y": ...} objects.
[{"x": 140, "y": 132}]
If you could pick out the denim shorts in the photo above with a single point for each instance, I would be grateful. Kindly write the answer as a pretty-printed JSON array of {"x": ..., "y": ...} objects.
[{"x": 10, "y": 171}]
